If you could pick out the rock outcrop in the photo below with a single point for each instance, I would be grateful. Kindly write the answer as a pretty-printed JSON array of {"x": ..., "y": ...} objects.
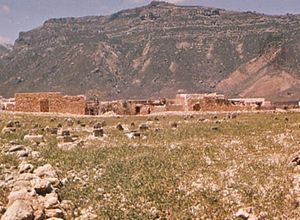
[{"x": 157, "y": 50}]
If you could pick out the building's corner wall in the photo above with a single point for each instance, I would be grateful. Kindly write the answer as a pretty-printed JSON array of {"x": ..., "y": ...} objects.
[
  {"x": 54, "y": 101},
  {"x": 30, "y": 102}
]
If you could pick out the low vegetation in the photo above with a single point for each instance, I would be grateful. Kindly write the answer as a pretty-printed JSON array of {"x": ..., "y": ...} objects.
[{"x": 204, "y": 166}]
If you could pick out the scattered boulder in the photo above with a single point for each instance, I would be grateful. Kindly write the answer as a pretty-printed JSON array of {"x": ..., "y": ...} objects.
[
  {"x": 64, "y": 139},
  {"x": 120, "y": 127},
  {"x": 97, "y": 125},
  {"x": 232, "y": 115},
  {"x": 70, "y": 122},
  {"x": 174, "y": 124},
  {"x": 133, "y": 135},
  {"x": 65, "y": 133},
  {"x": 16, "y": 148},
  {"x": 246, "y": 214},
  {"x": 98, "y": 132},
  {"x": 41, "y": 186},
  {"x": 241, "y": 213},
  {"x": 46, "y": 171},
  {"x": 34, "y": 138},
  {"x": 54, "y": 213},
  {"x": 143, "y": 127},
  {"x": 25, "y": 168},
  {"x": 23, "y": 153},
  {"x": 295, "y": 161},
  {"x": 8, "y": 130},
  {"x": 51, "y": 201},
  {"x": 17, "y": 124},
  {"x": 10, "y": 124},
  {"x": 19, "y": 210},
  {"x": 53, "y": 130}
]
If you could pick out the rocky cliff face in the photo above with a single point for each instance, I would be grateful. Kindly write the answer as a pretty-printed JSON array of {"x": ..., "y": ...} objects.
[
  {"x": 156, "y": 50},
  {"x": 4, "y": 48}
]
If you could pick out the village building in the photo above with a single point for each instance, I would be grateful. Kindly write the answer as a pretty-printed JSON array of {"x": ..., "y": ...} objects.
[
  {"x": 7, "y": 104},
  {"x": 202, "y": 102},
  {"x": 126, "y": 107},
  {"x": 56, "y": 102},
  {"x": 254, "y": 102},
  {"x": 50, "y": 102}
]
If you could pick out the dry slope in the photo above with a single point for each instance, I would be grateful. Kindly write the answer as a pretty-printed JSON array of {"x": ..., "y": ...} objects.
[{"x": 156, "y": 50}]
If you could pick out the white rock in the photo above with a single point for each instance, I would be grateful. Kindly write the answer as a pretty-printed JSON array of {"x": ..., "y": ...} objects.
[
  {"x": 242, "y": 214},
  {"x": 35, "y": 154},
  {"x": 51, "y": 201},
  {"x": 252, "y": 217},
  {"x": 8, "y": 130},
  {"x": 23, "y": 153},
  {"x": 41, "y": 186},
  {"x": 22, "y": 194},
  {"x": 19, "y": 210},
  {"x": 54, "y": 213},
  {"x": 25, "y": 168},
  {"x": 86, "y": 215},
  {"x": 70, "y": 122},
  {"x": 46, "y": 171},
  {"x": 16, "y": 148},
  {"x": 34, "y": 138}
]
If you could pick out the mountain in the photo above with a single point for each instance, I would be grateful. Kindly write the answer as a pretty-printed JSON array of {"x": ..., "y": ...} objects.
[
  {"x": 5, "y": 48},
  {"x": 156, "y": 51}
]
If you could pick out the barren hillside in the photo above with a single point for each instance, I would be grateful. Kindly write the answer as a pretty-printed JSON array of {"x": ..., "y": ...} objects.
[
  {"x": 4, "y": 48},
  {"x": 157, "y": 50}
]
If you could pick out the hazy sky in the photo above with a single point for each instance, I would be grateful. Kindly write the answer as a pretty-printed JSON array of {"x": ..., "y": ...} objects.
[{"x": 24, "y": 15}]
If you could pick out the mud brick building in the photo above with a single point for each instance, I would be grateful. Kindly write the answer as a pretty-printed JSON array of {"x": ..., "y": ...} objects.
[
  {"x": 126, "y": 107},
  {"x": 7, "y": 104},
  {"x": 202, "y": 102},
  {"x": 251, "y": 102},
  {"x": 50, "y": 102}
]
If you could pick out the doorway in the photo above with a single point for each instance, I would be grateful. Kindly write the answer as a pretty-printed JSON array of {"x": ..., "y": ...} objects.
[
  {"x": 196, "y": 107},
  {"x": 137, "y": 110},
  {"x": 44, "y": 105}
]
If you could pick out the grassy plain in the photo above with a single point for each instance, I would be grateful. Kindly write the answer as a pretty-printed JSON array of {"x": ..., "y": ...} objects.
[{"x": 206, "y": 168}]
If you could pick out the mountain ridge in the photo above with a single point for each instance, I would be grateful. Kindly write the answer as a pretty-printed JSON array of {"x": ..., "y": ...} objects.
[{"x": 156, "y": 50}]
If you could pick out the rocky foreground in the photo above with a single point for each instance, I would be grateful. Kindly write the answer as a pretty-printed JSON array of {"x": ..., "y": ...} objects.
[{"x": 218, "y": 166}]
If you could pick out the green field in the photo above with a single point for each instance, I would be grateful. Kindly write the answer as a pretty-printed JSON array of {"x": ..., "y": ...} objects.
[{"x": 206, "y": 168}]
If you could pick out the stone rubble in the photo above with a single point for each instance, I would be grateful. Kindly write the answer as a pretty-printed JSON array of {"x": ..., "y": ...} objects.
[
  {"x": 32, "y": 191},
  {"x": 33, "y": 194}
]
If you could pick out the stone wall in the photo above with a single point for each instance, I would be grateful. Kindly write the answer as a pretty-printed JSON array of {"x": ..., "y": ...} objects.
[
  {"x": 30, "y": 102},
  {"x": 130, "y": 107},
  {"x": 50, "y": 102},
  {"x": 204, "y": 102},
  {"x": 187, "y": 101},
  {"x": 209, "y": 104},
  {"x": 174, "y": 108},
  {"x": 69, "y": 104}
]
